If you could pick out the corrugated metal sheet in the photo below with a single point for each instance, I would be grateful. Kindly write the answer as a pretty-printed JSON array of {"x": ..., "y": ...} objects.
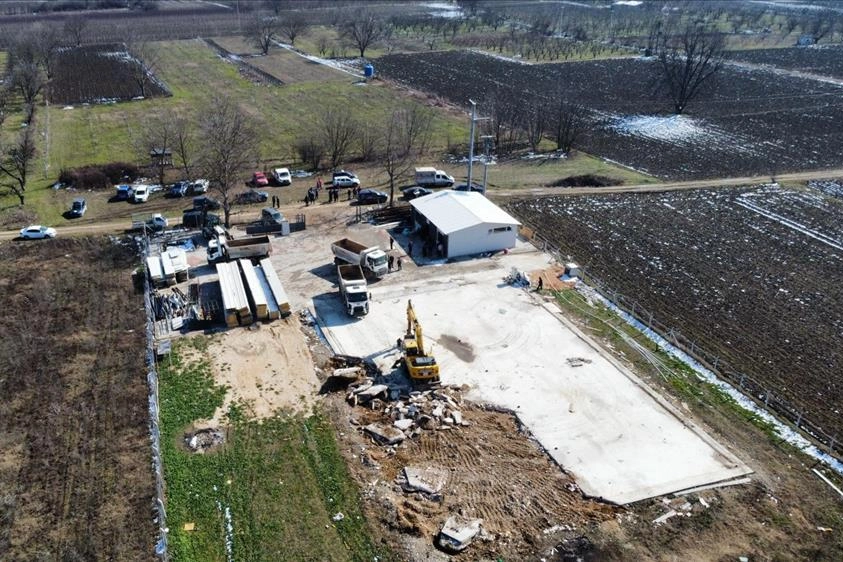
[
  {"x": 255, "y": 289},
  {"x": 275, "y": 284},
  {"x": 452, "y": 211}
]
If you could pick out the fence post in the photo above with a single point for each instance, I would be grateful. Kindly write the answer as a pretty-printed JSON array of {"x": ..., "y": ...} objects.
[
  {"x": 766, "y": 398},
  {"x": 740, "y": 382},
  {"x": 798, "y": 420}
]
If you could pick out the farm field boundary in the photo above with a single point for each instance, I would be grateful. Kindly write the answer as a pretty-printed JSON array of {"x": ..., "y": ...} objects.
[{"x": 751, "y": 387}]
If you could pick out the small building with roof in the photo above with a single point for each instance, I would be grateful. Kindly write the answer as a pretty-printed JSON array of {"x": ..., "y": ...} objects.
[{"x": 462, "y": 223}]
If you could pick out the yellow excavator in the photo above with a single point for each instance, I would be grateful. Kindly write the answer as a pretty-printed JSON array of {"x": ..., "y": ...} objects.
[{"x": 420, "y": 366}]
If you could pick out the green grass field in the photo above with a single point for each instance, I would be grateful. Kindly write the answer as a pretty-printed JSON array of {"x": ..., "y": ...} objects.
[
  {"x": 281, "y": 480},
  {"x": 73, "y": 136}
]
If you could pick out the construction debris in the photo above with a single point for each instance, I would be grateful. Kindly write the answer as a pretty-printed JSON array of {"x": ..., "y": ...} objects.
[
  {"x": 577, "y": 361},
  {"x": 385, "y": 434},
  {"x": 427, "y": 481},
  {"x": 428, "y": 410},
  {"x": 204, "y": 439},
  {"x": 458, "y": 532}
]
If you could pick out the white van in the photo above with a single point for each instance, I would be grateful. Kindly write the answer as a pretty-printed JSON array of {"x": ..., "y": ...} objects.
[
  {"x": 282, "y": 176},
  {"x": 140, "y": 194},
  {"x": 431, "y": 177}
]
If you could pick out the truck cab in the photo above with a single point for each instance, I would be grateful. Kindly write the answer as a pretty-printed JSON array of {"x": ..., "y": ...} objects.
[{"x": 357, "y": 300}]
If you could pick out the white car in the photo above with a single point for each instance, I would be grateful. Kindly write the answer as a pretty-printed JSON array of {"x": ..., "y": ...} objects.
[
  {"x": 36, "y": 232},
  {"x": 346, "y": 181},
  {"x": 199, "y": 186},
  {"x": 282, "y": 176},
  {"x": 141, "y": 194}
]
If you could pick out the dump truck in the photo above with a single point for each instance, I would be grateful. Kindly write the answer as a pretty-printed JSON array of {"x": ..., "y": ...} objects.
[
  {"x": 154, "y": 222},
  {"x": 353, "y": 289},
  {"x": 222, "y": 248},
  {"x": 421, "y": 365},
  {"x": 370, "y": 258},
  {"x": 431, "y": 177}
]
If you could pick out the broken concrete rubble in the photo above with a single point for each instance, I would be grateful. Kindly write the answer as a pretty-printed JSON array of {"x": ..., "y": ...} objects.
[
  {"x": 458, "y": 532},
  {"x": 429, "y": 481},
  {"x": 385, "y": 434}
]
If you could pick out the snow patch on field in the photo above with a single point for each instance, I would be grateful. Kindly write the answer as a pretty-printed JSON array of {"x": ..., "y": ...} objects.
[
  {"x": 679, "y": 129},
  {"x": 500, "y": 57}
]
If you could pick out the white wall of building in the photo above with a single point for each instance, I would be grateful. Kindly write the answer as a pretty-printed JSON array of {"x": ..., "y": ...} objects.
[{"x": 486, "y": 237}]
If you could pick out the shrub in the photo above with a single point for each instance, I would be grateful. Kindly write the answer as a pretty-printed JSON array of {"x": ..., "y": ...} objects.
[{"x": 99, "y": 176}]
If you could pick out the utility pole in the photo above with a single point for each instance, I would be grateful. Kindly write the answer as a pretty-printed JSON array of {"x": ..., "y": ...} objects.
[
  {"x": 471, "y": 140},
  {"x": 487, "y": 144},
  {"x": 474, "y": 119}
]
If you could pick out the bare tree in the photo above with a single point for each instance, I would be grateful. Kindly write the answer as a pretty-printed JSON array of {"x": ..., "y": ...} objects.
[
  {"x": 687, "y": 61},
  {"x": 406, "y": 136},
  {"x": 294, "y": 26},
  {"x": 338, "y": 132},
  {"x": 363, "y": 30},
  {"x": 28, "y": 80},
  {"x": 75, "y": 27},
  {"x": 145, "y": 62},
  {"x": 229, "y": 147},
  {"x": 535, "y": 123},
  {"x": 184, "y": 144},
  {"x": 262, "y": 31},
  {"x": 568, "y": 123},
  {"x": 310, "y": 151},
  {"x": 369, "y": 138},
  {"x": 48, "y": 40},
  {"x": 16, "y": 163},
  {"x": 156, "y": 143}
]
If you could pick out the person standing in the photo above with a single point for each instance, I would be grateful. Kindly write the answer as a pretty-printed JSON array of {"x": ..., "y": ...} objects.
[
  {"x": 410, "y": 248},
  {"x": 400, "y": 263},
  {"x": 391, "y": 242},
  {"x": 390, "y": 261},
  {"x": 318, "y": 183}
]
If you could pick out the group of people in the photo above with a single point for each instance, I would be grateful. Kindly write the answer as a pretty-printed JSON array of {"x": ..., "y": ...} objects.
[
  {"x": 333, "y": 193},
  {"x": 276, "y": 201}
]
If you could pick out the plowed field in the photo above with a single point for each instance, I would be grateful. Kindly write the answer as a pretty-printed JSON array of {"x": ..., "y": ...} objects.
[
  {"x": 753, "y": 276},
  {"x": 75, "y": 476},
  {"x": 748, "y": 122}
]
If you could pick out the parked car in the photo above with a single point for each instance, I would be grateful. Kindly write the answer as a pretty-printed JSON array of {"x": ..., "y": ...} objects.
[
  {"x": 259, "y": 180},
  {"x": 464, "y": 187},
  {"x": 199, "y": 219},
  {"x": 371, "y": 196},
  {"x": 271, "y": 217},
  {"x": 204, "y": 203},
  {"x": 282, "y": 176},
  {"x": 344, "y": 174},
  {"x": 78, "y": 207},
  {"x": 178, "y": 189},
  {"x": 124, "y": 193},
  {"x": 414, "y": 192},
  {"x": 37, "y": 232},
  {"x": 140, "y": 194},
  {"x": 346, "y": 181},
  {"x": 199, "y": 186},
  {"x": 248, "y": 197}
]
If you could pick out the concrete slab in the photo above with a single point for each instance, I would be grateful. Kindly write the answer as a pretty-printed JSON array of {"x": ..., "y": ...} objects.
[{"x": 619, "y": 439}]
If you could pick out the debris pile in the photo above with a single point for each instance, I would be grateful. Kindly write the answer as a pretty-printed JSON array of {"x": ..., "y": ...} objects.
[
  {"x": 170, "y": 305},
  {"x": 204, "y": 439},
  {"x": 458, "y": 532},
  {"x": 681, "y": 506},
  {"x": 422, "y": 410}
]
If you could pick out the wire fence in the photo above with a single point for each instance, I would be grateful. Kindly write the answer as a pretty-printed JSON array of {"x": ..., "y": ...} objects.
[
  {"x": 154, "y": 429},
  {"x": 757, "y": 391}
]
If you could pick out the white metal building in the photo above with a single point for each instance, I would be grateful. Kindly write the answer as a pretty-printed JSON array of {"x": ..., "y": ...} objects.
[{"x": 462, "y": 223}]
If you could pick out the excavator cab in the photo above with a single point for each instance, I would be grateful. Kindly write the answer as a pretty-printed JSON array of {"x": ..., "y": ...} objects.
[{"x": 420, "y": 366}]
